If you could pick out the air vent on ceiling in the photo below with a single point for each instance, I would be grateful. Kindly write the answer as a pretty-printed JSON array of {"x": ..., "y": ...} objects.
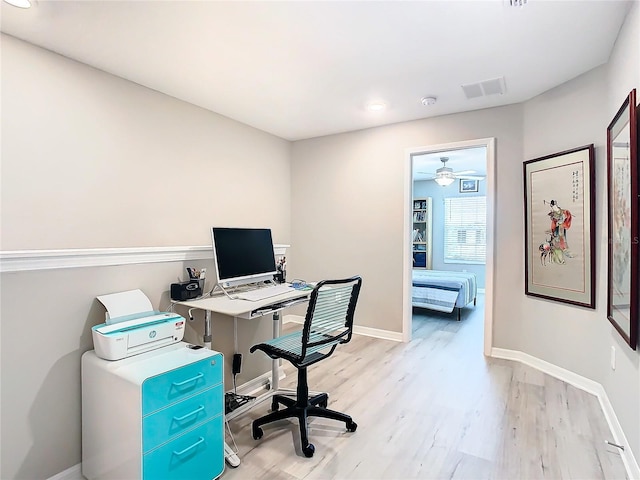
[{"x": 494, "y": 86}]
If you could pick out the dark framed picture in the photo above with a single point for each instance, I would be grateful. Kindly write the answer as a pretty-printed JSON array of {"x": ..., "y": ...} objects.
[
  {"x": 559, "y": 208},
  {"x": 623, "y": 289},
  {"x": 468, "y": 186}
]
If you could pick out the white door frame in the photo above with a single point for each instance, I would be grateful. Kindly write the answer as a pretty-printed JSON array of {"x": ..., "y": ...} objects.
[{"x": 489, "y": 143}]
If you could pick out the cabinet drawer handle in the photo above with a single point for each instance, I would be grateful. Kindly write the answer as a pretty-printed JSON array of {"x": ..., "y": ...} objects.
[
  {"x": 197, "y": 410},
  {"x": 197, "y": 377},
  {"x": 182, "y": 452}
]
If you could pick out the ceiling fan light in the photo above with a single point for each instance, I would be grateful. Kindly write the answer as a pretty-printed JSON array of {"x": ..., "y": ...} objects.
[{"x": 444, "y": 180}]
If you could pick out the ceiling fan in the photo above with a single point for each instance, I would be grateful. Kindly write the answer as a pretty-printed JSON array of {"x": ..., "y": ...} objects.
[{"x": 445, "y": 176}]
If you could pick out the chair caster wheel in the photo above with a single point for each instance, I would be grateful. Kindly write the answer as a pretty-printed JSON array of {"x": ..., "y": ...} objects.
[
  {"x": 275, "y": 406},
  {"x": 257, "y": 433},
  {"x": 323, "y": 404},
  {"x": 309, "y": 450},
  {"x": 351, "y": 427}
]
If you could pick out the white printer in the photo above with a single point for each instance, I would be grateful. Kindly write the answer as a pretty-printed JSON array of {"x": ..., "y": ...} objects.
[{"x": 133, "y": 327}]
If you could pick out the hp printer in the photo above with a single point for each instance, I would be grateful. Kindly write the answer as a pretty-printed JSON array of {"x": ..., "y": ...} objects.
[
  {"x": 138, "y": 333},
  {"x": 132, "y": 326}
]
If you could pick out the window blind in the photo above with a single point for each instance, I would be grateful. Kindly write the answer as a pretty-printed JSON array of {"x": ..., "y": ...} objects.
[{"x": 465, "y": 229}]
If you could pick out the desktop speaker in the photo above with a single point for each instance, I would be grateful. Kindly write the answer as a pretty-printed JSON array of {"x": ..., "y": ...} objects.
[{"x": 185, "y": 290}]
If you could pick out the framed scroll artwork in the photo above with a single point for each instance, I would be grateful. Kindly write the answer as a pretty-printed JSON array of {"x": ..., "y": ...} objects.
[
  {"x": 559, "y": 227},
  {"x": 623, "y": 289}
]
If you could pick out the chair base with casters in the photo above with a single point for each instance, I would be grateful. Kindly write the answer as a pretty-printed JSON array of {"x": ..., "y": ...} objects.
[
  {"x": 328, "y": 323},
  {"x": 301, "y": 408}
]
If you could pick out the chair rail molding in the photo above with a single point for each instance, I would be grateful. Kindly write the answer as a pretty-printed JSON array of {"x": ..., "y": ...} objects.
[{"x": 31, "y": 260}]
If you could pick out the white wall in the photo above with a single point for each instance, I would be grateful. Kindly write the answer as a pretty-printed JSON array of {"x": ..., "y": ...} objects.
[
  {"x": 571, "y": 115},
  {"x": 90, "y": 160},
  {"x": 348, "y": 206},
  {"x": 623, "y": 385}
]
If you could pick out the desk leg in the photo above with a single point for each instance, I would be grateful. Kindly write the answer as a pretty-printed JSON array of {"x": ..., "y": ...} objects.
[
  {"x": 275, "y": 364},
  {"x": 229, "y": 455},
  {"x": 206, "y": 338}
]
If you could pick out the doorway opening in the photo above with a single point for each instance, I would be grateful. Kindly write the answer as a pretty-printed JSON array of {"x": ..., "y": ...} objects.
[{"x": 428, "y": 159}]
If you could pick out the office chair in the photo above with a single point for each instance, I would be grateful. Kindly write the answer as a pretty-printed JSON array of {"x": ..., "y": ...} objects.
[{"x": 328, "y": 322}]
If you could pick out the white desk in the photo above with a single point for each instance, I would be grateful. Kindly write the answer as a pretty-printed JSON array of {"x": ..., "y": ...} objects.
[{"x": 246, "y": 309}]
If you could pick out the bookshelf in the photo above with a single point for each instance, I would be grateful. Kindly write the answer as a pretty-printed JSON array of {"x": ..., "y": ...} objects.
[{"x": 421, "y": 233}]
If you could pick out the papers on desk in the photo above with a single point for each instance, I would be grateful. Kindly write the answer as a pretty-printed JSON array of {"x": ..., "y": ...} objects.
[{"x": 123, "y": 304}]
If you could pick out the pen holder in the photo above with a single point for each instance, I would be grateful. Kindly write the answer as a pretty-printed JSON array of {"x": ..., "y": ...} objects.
[{"x": 201, "y": 283}]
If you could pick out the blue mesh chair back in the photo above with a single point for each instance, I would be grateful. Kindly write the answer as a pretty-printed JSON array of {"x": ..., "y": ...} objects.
[{"x": 328, "y": 323}]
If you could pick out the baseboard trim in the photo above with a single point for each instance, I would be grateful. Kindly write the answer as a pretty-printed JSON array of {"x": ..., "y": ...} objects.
[
  {"x": 357, "y": 329},
  {"x": 589, "y": 386},
  {"x": 72, "y": 473},
  {"x": 560, "y": 373},
  {"x": 377, "y": 333}
]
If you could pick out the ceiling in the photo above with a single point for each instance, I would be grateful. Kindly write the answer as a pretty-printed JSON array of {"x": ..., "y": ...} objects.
[
  {"x": 302, "y": 69},
  {"x": 425, "y": 165}
]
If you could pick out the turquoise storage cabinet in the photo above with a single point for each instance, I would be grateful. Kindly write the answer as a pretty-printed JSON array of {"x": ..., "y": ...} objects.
[{"x": 158, "y": 415}]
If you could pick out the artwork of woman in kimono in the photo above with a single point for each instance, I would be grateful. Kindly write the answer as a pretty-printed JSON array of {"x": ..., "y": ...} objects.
[
  {"x": 560, "y": 223},
  {"x": 556, "y": 247}
]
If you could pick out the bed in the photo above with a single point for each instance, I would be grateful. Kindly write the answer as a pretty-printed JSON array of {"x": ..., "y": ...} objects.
[{"x": 443, "y": 291}]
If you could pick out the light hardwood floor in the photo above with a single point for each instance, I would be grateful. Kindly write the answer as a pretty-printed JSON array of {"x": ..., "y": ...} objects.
[{"x": 434, "y": 408}]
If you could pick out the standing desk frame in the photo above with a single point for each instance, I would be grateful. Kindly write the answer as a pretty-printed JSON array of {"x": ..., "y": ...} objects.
[{"x": 245, "y": 309}]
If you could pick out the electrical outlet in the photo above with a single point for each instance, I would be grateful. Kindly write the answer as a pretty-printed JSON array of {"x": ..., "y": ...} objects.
[{"x": 613, "y": 357}]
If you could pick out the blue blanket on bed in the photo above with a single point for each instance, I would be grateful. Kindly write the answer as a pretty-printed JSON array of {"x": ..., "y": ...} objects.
[
  {"x": 442, "y": 290},
  {"x": 435, "y": 297}
]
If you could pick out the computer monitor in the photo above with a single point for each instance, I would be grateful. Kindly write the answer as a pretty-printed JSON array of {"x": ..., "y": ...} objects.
[{"x": 243, "y": 255}]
